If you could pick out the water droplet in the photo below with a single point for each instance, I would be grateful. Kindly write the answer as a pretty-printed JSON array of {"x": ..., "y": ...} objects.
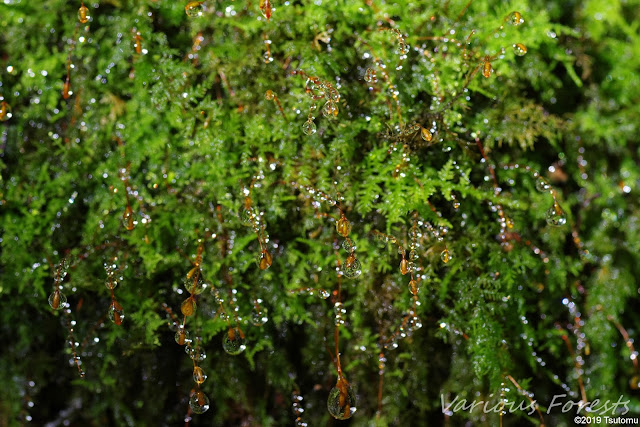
[
  {"x": 57, "y": 300},
  {"x": 426, "y": 134},
  {"x": 182, "y": 336},
  {"x": 309, "y": 127},
  {"x": 342, "y": 400},
  {"x": 194, "y": 9},
  {"x": 330, "y": 110},
  {"x": 352, "y": 267},
  {"x": 343, "y": 226},
  {"x": 233, "y": 341},
  {"x": 445, "y": 256},
  {"x": 515, "y": 18},
  {"x": 265, "y": 260},
  {"x": 404, "y": 266},
  {"x": 269, "y": 95},
  {"x": 128, "y": 218},
  {"x": 199, "y": 402},
  {"x": 520, "y": 49},
  {"x": 83, "y": 14},
  {"x": 509, "y": 223},
  {"x": 370, "y": 75},
  {"x": 556, "y": 216},
  {"x": 265, "y": 8},
  {"x": 194, "y": 284},
  {"x": 259, "y": 317},
  {"x": 634, "y": 383},
  {"x": 456, "y": 204},
  {"x": 542, "y": 185},
  {"x": 413, "y": 287},
  {"x": 199, "y": 375},
  {"x": 197, "y": 353},
  {"x": 246, "y": 216},
  {"x": 188, "y": 307},
  {"x": 116, "y": 313},
  {"x": 349, "y": 246},
  {"x": 323, "y": 293},
  {"x": 5, "y": 111}
]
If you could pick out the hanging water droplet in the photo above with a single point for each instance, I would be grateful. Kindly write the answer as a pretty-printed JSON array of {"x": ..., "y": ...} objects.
[
  {"x": 342, "y": 401},
  {"x": 57, "y": 300},
  {"x": 197, "y": 353},
  {"x": 413, "y": 287},
  {"x": 509, "y": 223},
  {"x": 370, "y": 75},
  {"x": 309, "y": 127},
  {"x": 445, "y": 256},
  {"x": 194, "y": 9},
  {"x": 456, "y": 204},
  {"x": 352, "y": 268},
  {"x": 555, "y": 215},
  {"x": 233, "y": 341},
  {"x": 128, "y": 218},
  {"x": 515, "y": 18},
  {"x": 5, "y": 111},
  {"x": 520, "y": 49},
  {"x": 343, "y": 226},
  {"x": 269, "y": 95},
  {"x": 199, "y": 402},
  {"x": 116, "y": 313},
  {"x": 634, "y": 383},
  {"x": 188, "y": 307},
  {"x": 83, "y": 14},
  {"x": 323, "y": 293},
  {"x": 195, "y": 285},
  {"x": 330, "y": 110},
  {"x": 259, "y": 316},
  {"x": 182, "y": 336},
  {"x": 265, "y": 260},
  {"x": 199, "y": 375},
  {"x": 349, "y": 246},
  {"x": 426, "y": 134},
  {"x": 542, "y": 185},
  {"x": 246, "y": 216}
]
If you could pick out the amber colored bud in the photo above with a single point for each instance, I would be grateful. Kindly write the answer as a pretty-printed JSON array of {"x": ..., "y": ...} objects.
[
  {"x": 66, "y": 89},
  {"x": 404, "y": 266},
  {"x": 343, "y": 226},
  {"x": 413, "y": 287},
  {"x": 265, "y": 260},
  {"x": 188, "y": 307},
  {"x": 486, "y": 69},
  {"x": 350, "y": 260},
  {"x": 55, "y": 303},
  {"x": 182, "y": 338}
]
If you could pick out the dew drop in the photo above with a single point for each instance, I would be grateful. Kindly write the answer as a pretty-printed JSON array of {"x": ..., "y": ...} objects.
[
  {"x": 188, "y": 307},
  {"x": 116, "y": 313},
  {"x": 246, "y": 216},
  {"x": 128, "y": 219},
  {"x": 199, "y": 375},
  {"x": 182, "y": 336},
  {"x": 349, "y": 246},
  {"x": 323, "y": 293},
  {"x": 233, "y": 341},
  {"x": 309, "y": 127},
  {"x": 83, "y": 14},
  {"x": 259, "y": 317},
  {"x": 57, "y": 300},
  {"x": 195, "y": 285},
  {"x": 515, "y": 18},
  {"x": 370, "y": 75},
  {"x": 330, "y": 110},
  {"x": 520, "y": 49},
  {"x": 197, "y": 353},
  {"x": 5, "y": 111},
  {"x": 269, "y": 95},
  {"x": 486, "y": 69},
  {"x": 634, "y": 383},
  {"x": 199, "y": 402},
  {"x": 343, "y": 226},
  {"x": 194, "y": 9},
  {"x": 352, "y": 268},
  {"x": 445, "y": 256},
  {"x": 342, "y": 401},
  {"x": 542, "y": 185},
  {"x": 555, "y": 215},
  {"x": 456, "y": 205}
]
